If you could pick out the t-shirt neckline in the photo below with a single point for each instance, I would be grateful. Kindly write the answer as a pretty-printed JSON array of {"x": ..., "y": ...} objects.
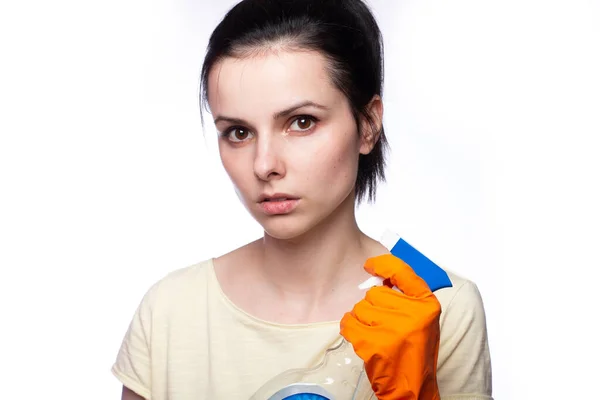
[{"x": 244, "y": 315}]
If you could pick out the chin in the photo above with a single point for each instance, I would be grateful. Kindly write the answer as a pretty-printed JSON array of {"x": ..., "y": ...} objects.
[
  {"x": 295, "y": 224},
  {"x": 286, "y": 227},
  {"x": 285, "y": 230}
]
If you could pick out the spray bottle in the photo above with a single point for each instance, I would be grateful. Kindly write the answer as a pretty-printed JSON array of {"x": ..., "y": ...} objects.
[{"x": 340, "y": 375}]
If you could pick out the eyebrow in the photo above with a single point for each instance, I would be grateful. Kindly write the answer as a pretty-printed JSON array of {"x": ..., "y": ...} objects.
[{"x": 277, "y": 115}]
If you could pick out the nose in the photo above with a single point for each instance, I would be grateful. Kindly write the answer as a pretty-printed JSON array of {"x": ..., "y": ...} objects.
[{"x": 268, "y": 160}]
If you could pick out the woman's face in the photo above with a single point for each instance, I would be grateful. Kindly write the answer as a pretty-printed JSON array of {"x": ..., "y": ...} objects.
[{"x": 288, "y": 139}]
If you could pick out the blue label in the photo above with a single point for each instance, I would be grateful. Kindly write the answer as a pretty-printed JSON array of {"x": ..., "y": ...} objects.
[
  {"x": 306, "y": 396},
  {"x": 302, "y": 391}
]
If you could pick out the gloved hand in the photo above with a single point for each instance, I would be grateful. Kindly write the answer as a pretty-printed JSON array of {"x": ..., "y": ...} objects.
[{"x": 396, "y": 334}]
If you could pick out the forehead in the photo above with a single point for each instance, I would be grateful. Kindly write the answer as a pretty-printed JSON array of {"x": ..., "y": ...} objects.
[{"x": 269, "y": 82}]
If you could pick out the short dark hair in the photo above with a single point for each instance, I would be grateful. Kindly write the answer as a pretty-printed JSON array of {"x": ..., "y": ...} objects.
[{"x": 344, "y": 31}]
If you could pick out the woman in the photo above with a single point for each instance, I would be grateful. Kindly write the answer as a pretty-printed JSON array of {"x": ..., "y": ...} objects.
[{"x": 294, "y": 88}]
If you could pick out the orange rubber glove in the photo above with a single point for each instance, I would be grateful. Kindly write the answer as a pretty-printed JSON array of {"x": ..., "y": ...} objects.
[{"x": 396, "y": 334}]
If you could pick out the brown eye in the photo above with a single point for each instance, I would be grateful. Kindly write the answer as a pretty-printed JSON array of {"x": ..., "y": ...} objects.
[
  {"x": 238, "y": 134},
  {"x": 302, "y": 124}
]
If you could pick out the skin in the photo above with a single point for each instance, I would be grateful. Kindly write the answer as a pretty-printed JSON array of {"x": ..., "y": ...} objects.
[
  {"x": 129, "y": 394},
  {"x": 309, "y": 263}
]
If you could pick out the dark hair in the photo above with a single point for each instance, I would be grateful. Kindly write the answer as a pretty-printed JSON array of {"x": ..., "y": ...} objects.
[{"x": 344, "y": 31}]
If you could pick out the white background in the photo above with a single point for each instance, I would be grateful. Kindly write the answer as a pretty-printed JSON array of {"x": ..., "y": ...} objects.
[{"x": 108, "y": 182}]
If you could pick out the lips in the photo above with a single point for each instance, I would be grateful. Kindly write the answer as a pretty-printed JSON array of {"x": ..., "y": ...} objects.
[
  {"x": 278, "y": 203},
  {"x": 276, "y": 197}
]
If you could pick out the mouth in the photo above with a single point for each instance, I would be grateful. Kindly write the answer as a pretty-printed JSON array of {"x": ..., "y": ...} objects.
[
  {"x": 278, "y": 199},
  {"x": 275, "y": 198},
  {"x": 278, "y": 204}
]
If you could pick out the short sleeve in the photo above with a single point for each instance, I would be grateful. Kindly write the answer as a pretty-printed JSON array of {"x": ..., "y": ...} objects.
[
  {"x": 133, "y": 364},
  {"x": 464, "y": 366}
]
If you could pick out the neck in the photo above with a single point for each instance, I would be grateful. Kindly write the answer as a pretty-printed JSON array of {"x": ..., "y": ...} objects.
[{"x": 328, "y": 257}]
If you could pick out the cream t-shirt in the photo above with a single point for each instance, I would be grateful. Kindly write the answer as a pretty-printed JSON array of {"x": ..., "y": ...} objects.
[{"x": 188, "y": 341}]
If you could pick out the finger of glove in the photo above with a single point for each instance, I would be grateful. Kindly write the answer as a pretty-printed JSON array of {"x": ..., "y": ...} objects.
[
  {"x": 388, "y": 298},
  {"x": 383, "y": 304},
  {"x": 370, "y": 314},
  {"x": 361, "y": 336},
  {"x": 399, "y": 273},
  {"x": 371, "y": 348}
]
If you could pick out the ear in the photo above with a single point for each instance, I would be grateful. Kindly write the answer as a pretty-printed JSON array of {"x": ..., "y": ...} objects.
[{"x": 371, "y": 129}]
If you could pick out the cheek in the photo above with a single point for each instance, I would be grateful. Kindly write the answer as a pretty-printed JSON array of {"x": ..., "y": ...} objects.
[
  {"x": 334, "y": 164},
  {"x": 343, "y": 169}
]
